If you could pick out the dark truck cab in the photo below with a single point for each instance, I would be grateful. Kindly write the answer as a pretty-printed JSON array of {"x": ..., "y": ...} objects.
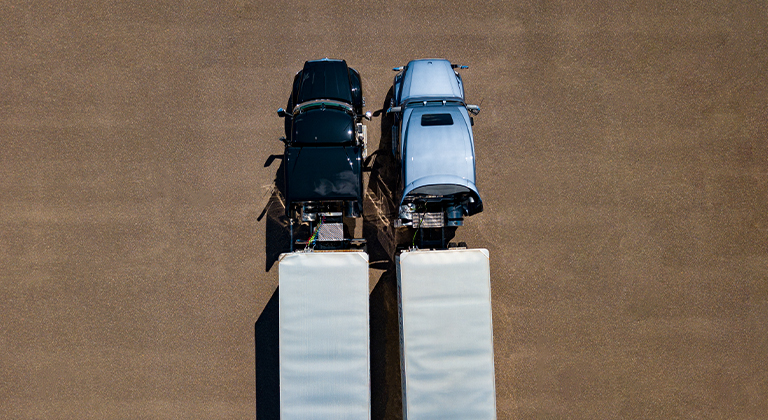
[{"x": 325, "y": 145}]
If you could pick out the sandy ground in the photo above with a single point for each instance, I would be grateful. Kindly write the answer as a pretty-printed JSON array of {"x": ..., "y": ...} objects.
[{"x": 621, "y": 156}]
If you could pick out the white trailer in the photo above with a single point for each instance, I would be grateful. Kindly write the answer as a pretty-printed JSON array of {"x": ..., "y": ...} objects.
[
  {"x": 446, "y": 335},
  {"x": 324, "y": 336}
]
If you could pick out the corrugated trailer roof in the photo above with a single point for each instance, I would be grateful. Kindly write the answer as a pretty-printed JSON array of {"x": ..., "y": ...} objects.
[
  {"x": 446, "y": 335},
  {"x": 324, "y": 336}
]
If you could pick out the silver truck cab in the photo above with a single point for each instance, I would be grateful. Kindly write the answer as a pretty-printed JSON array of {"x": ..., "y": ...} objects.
[{"x": 433, "y": 142}]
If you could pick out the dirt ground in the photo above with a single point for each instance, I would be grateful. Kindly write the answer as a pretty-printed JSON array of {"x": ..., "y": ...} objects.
[{"x": 621, "y": 155}]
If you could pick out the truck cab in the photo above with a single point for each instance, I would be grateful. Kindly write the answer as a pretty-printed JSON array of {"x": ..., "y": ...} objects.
[
  {"x": 325, "y": 145},
  {"x": 432, "y": 140}
]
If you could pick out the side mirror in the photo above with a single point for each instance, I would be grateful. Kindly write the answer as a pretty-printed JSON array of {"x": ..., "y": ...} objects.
[
  {"x": 394, "y": 109},
  {"x": 368, "y": 115},
  {"x": 473, "y": 109},
  {"x": 397, "y": 68},
  {"x": 281, "y": 113},
  {"x": 284, "y": 140}
]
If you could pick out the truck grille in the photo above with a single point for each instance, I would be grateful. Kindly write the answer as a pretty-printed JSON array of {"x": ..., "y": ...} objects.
[
  {"x": 430, "y": 220},
  {"x": 331, "y": 232}
]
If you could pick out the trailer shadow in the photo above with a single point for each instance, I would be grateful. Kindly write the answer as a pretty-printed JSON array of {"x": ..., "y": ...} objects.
[
  {"x": 386, "y": 388},
  {"x": 266, "y": 337},
  {"x": 379, "y": 210}
]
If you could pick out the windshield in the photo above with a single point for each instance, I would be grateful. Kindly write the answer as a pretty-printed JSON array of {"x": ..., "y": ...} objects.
[
  {"x": 434, "y": 103},
  {"x": 320, "y": 104}
]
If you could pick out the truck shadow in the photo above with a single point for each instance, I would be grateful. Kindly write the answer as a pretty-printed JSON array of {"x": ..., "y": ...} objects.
[
  {"x": 379, "y": 210},
  {"x": 379, "y": 207},
  {"x": 277, "y": 234},
  {"x": 266, "y": 336}
]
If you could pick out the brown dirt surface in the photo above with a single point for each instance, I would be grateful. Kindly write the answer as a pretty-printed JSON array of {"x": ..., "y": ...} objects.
[{"x": 621, "y": 155}]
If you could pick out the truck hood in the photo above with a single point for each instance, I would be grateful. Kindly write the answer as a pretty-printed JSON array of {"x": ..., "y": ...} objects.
[
  {"x": 430, "y": 79},
  {"x": 325, "y": 79}
]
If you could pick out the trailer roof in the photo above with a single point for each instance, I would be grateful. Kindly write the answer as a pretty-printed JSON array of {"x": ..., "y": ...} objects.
[
  {"x": 447, "y": 334},
  {"x": 323, "y": 330}
]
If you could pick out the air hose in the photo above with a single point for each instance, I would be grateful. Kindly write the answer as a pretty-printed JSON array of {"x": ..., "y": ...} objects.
[
  {"x": 313, "y": 238},
  {"x": 413, "y": 241}
]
